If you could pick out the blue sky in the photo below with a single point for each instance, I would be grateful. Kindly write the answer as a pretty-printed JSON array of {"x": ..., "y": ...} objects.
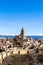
[{"x": 15, "y": 14}]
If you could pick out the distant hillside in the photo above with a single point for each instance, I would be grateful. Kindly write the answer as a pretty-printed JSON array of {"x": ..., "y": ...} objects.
[
  {"x": 10, "y": 36},
  {"x": 6, "y": 36}
]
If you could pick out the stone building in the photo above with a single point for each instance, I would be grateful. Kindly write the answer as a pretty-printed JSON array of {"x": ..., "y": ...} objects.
[
  {"x": 41, "y": 51},
  {"x": 20, "y": 39},
  {"x": 8, "y": 43}
]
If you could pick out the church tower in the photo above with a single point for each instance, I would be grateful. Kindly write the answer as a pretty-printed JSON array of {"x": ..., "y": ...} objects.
[{"x": 22, "y": 35}]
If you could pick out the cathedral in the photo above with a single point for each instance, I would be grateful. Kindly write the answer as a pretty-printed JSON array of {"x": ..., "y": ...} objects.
[{"x": 20, "y": 39}]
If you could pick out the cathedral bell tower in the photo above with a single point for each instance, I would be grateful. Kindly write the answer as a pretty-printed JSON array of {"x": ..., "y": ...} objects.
[{"x": 22, "y": 35}]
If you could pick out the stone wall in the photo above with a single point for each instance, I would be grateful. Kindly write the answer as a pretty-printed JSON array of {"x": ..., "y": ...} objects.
[{"x": 12, "y": 52}]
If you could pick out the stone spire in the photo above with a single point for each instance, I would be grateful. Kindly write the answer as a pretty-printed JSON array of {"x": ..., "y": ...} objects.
[
  {"x": 22, "y": 31},
  {"x": 22, "y": 35}
]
